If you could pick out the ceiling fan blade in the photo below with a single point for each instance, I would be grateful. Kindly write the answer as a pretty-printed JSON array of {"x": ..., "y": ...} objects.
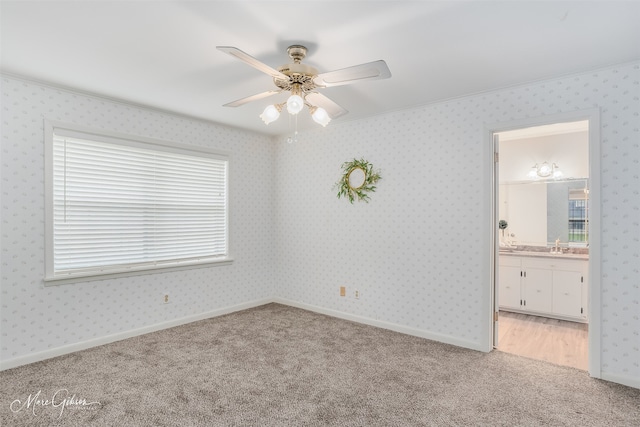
[
  {"x": 248, "y": 99},
  {"x": 369, "y": 71},
  {"x": 319, "y": 100},
  {"x": 250, "y": 60}
]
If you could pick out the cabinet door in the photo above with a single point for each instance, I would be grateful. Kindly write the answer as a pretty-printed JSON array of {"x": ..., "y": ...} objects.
[
  {"x": 537, "y": 290},
  {"x": 567, "y": 293},
  {"x": 509, "y": 288}
]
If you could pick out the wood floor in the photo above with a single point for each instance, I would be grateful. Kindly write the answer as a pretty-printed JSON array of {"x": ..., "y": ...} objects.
[{"x": 552, "y": 340}]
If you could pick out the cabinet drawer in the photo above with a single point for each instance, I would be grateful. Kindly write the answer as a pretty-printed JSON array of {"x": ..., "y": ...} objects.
[{"x": 509, "y": 261}]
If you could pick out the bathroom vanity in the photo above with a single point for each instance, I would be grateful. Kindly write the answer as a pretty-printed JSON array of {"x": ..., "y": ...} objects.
[
  {"x": 544, "y": 284},
  {"x": 544, "y": 248}
]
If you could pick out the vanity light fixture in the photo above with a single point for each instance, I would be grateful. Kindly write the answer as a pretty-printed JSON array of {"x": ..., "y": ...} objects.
[{"x": 545, "y": 170}]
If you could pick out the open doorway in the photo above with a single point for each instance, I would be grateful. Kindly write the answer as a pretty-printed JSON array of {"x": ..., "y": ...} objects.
[{"x": 542, "y": 262}]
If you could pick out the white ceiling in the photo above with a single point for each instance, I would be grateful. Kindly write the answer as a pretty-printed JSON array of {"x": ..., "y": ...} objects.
[{"x": 162, "y": 53}]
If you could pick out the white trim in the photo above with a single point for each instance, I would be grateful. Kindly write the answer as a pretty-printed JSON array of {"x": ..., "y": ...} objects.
[
  {"x": 52, "y": 127},
  {"x": 104, "y": 135},
  {"x": 114, "y": 274},
  {"x": 447, "y": 339},
  {"x": 595, "y": 245},
  {"x": 96, "y": 342},
  {"x": 621, "y": 379},
  {"x": 48, "y": 197},
  {"x": 594, "y": 315},
  {"x": 495, "y": 238},
  {"x": 83, "y": 345}
]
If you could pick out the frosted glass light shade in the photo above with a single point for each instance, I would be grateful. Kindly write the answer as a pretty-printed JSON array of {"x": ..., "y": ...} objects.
[
  {"x": 321, "y": 116},
  {"x": 270, "y": 114},
  {"x": 295, "y": 103},
  {"x": 544, "y": 170}
]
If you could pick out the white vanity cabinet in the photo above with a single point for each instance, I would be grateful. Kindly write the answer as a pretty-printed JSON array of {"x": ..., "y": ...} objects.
[
  {"x": 545, "y": 286},
  {"x": 510, "y": 278},
  {"x": 537, "y": 289}
]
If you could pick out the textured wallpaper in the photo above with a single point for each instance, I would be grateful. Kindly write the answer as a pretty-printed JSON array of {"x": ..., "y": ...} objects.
[
  {"x": 415, "y": 252},
  {"x": 37, "y": 318}
]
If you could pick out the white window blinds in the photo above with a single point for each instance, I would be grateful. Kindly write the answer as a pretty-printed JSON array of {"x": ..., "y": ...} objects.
[{"x": 122, "y": 205}]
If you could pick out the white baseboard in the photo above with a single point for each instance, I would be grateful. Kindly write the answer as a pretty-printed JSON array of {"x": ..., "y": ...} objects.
[
  {"x": 621, "y": 379},
  {"x": 83, "y": 345},
  {"x": 447, "y": 339}
]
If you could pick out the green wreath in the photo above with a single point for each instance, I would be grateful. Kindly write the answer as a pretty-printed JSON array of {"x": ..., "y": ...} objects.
[{"x": 359, "y": 192}]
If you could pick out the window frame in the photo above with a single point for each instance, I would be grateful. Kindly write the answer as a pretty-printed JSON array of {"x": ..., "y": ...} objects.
[
  {"x": 583, "y": 230},
  {"x": 101, "y": 273}
]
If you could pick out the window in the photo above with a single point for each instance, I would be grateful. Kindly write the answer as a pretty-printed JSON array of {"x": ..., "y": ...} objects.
[
  {"x": 578, "y": 227},
  {"x": 115, "y": 204}
]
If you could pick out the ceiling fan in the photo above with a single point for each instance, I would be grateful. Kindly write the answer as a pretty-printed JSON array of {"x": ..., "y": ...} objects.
[{"x": 303, "y": 81}]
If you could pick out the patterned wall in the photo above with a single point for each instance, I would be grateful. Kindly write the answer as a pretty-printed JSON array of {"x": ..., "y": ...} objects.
[
  {"x": 415, "y": 252},
  {"x": 36, "y": 318}
]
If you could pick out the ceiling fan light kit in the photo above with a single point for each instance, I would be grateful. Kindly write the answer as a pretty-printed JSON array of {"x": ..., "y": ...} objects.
[
  {"x": 271, "y": 114},
  {"x": 320, "y": 116},
  {"x": 302, "y": 81},
  {"x": 295, "y": 103}
]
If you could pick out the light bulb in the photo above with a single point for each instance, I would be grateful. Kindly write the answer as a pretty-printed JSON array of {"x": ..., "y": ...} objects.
[
  {"x": 320, "y": 116},
  {"x": 270, "y": 114},
  {"x": 544, "y": 170},
  {"x": 295, "y": 104}
]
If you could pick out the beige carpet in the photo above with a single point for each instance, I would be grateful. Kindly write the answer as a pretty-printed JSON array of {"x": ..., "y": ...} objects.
[{"x": 280, "y": 366}]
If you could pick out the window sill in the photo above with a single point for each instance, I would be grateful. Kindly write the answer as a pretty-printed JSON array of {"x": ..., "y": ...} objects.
[{"x": 133, "y": 271}]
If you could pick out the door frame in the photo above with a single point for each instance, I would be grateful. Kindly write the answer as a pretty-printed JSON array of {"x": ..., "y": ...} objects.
[{"x": 595, "y": 216}]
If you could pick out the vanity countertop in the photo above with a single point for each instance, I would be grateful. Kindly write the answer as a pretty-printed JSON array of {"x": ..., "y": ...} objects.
[{"x": 540, "y": 254}]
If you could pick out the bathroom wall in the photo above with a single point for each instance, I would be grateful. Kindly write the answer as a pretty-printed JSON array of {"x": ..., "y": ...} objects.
[{"x": 569, "y": 151}]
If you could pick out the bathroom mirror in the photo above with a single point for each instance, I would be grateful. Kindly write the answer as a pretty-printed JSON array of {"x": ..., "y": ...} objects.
[
  {"x": 567, "y": 212},
  {"x": 540, "y": 212}
]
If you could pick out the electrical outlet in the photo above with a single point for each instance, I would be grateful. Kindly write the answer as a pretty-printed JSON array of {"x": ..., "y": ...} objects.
[
  {"x": 165, "y": 299},
  {"x": 356, "y": 294},
  {"x": 343, "y": 291}
]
